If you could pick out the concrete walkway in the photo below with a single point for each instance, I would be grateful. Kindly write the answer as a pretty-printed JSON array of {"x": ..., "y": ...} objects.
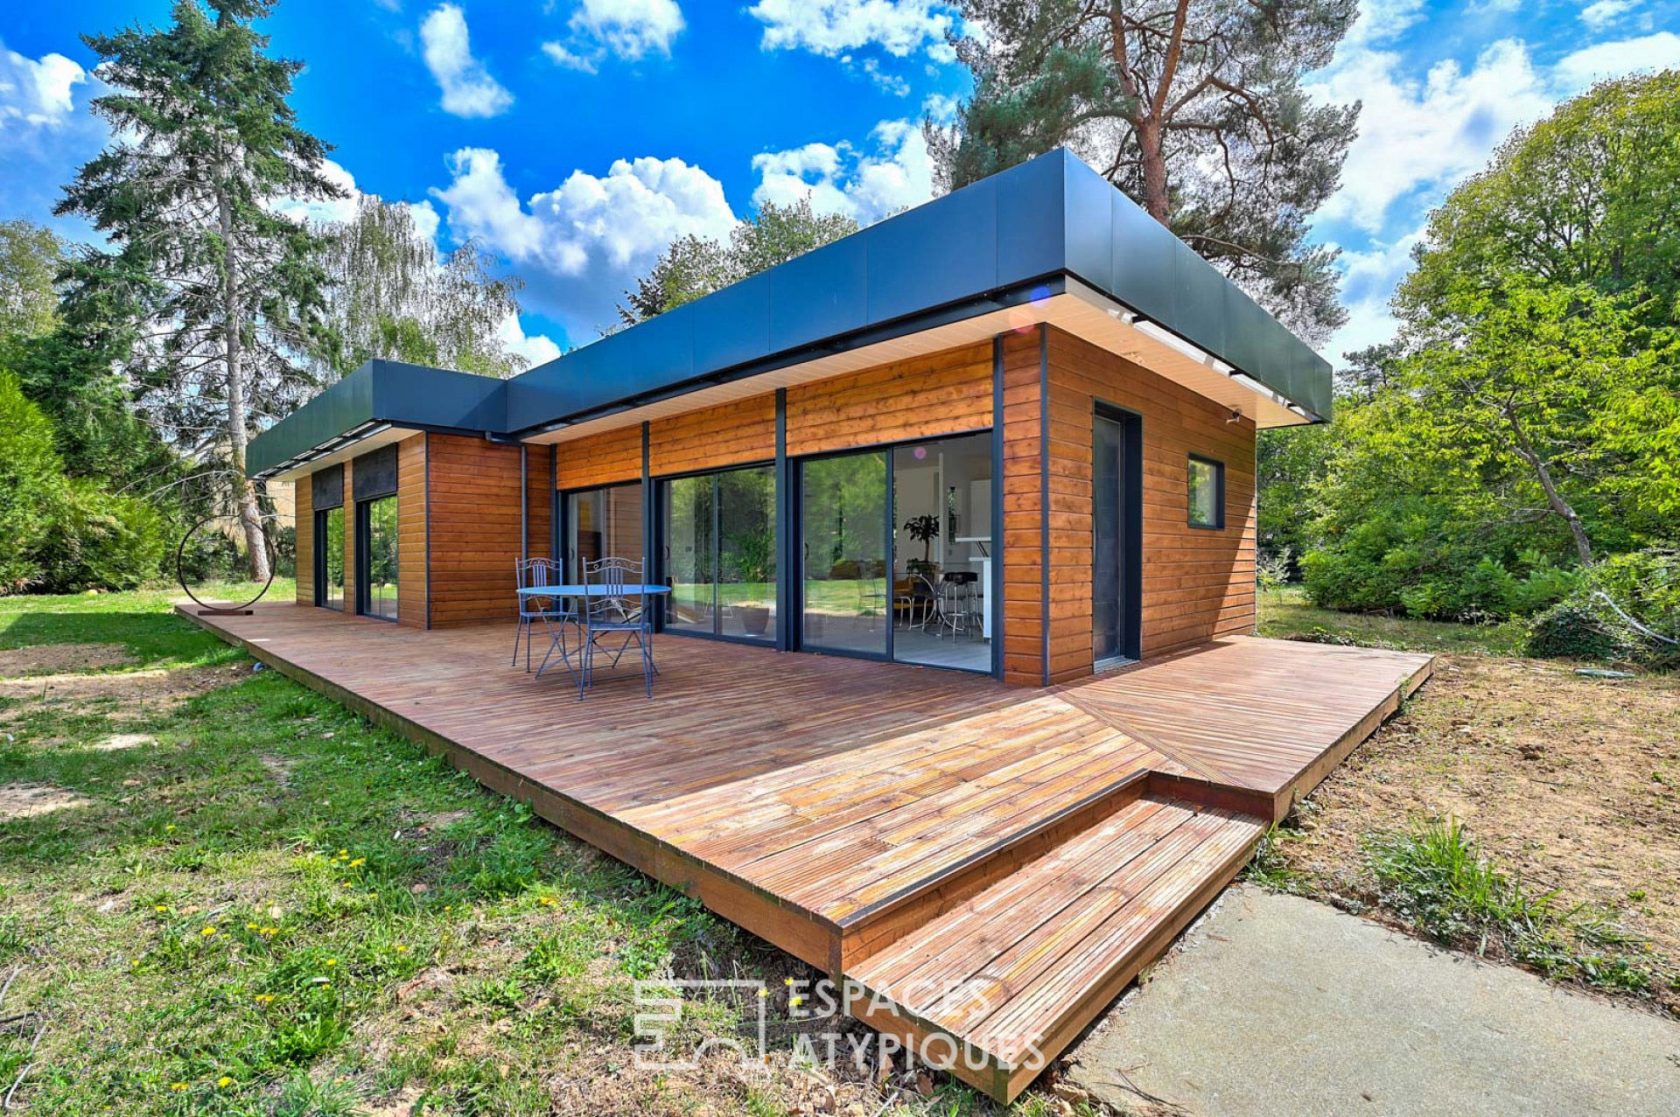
[{"x": 1279, "y": 1005}]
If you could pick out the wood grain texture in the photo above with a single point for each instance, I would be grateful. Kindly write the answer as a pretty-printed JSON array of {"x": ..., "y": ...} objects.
[
  {"x": 1198, "y": 584},
  {"x": 539, "y": 502},
  {"x": 818, "y": 811},
  {"x": 735, "y": 433},
  {"x": 473, "y": 529},
  {"x": 350, "y": 597},
  {"x": 939, "y": 394},
  {"x": 304, "y": 523},
  {"x": 1023, "y": 512},
  {"x": 412, "y": 591},
  {"x": 600, "y": 459}
]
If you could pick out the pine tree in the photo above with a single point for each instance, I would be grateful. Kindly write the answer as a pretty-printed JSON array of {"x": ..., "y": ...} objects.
[
  {"x": 220, "y": 297},
  {"x": 1194, "y": 108}
]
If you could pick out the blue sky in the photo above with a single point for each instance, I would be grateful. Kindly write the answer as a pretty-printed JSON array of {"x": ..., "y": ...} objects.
[{"x": 575, "y": 138}]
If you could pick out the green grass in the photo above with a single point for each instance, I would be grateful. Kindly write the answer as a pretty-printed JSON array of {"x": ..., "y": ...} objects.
[
  {"x": 276, "y": 908},
  {"x": 1285, "y": 613},
  {"x": 1436, "y": 879}
]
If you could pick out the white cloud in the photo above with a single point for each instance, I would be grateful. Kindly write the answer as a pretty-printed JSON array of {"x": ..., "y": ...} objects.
[
  {"x": 36, "y": 93},
  {"x": 1368, "y": 282},
  {"x": 468, "y": 88},
  {"x": 1424, "y": 134},
  {"x": 586, "y": 240},
  {"x": 537, "y": 349},
  {"x": 628, "y": 29},
  {"x": 941, "y": 108},
  {"x": 895, "y": 173},
  {"x": 1625, "y": 56},
  {"x": 341, "y": 210},
  {"x": 1605, "y": 12},
  {"x": 832, "y": 27}
]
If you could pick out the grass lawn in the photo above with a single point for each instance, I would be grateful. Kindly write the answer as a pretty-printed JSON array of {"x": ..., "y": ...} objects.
[{"x": 223, "y": 893}]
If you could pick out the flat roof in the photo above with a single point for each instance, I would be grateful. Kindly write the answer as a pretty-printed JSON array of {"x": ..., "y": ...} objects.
[{"x": 1016, "y": 239}]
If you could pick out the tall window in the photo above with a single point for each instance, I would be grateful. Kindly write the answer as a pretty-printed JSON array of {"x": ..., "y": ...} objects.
[
  {"x": 329, "y": 558},
  {"x": 720, "y": 553},
  {"x": 378, "y": 555},
  {"x": 1207, "y": 493}
]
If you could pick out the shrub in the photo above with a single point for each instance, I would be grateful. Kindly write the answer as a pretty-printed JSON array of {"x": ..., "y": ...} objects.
[
  {"x": 1574, "y": 630},
  {"x": 101, "y": 540},
  {"x": 31, "y": 483}
]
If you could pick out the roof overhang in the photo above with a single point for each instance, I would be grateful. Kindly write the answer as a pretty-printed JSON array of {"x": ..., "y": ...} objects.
[{"x": 1047, "y": 241}]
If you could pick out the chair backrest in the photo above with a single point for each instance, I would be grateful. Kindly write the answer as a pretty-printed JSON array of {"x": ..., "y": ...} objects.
[
  {"x": 614, "y": 573},
  {"x": 535, "y": 572}
]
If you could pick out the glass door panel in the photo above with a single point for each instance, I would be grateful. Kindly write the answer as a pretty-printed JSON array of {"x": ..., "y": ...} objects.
[
  {"x": 843, "y": 516},
  {"x": 329, "y": 558},
  {"x": 746, "y": 556},
  {"x": 603, "y": 523},
  {"x": 378, "y": 550},
  {"x": 689, "y": 555}
]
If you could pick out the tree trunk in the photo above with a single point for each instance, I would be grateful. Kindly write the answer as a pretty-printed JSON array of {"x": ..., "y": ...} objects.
[
  {"x": 1583, "y": 546},
  {"x": 244, "y": 494},
  {"x": 1154, "y": 167}
]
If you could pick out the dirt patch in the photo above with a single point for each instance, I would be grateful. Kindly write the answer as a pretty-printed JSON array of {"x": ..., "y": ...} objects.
[
  {"x": 139, "y": 692},
  {"x": 1571, "y": 783},
  {"x": 28, "y": 800},
  {"x": 118, "y": 742},
  {"x": 279, "y": 769},
  {"x": 54, "y": 659}
]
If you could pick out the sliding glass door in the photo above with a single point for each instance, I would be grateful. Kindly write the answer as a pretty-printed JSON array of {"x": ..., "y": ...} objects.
[
  {"x": 843, "y": 521},
  {"x": 720, "y": 553},
  {"x": 376, "y": 551},
  {"x": 602, "y": 523},
  {"x": 329, "y": 558}
]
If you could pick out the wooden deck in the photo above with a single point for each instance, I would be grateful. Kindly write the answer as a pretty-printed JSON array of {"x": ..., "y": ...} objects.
[{"x": 988, "y": 866}]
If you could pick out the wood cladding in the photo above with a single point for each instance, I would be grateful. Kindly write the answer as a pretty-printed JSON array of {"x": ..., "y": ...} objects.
[
  {"x": 539, "y": 502},
  {"x": 925, "y": 397},
  {"x": 412, "y": 591},
  {"x": 304, "y": 539},
  {"x": 734, "y": 433},
  {"x": 1023, "y": 512},
  {"x": 350, "y": 579},
  {"x": 473, "y": 529},
  {"x": 600, "y": 459},
  {"x": 1198, "y": 584}
]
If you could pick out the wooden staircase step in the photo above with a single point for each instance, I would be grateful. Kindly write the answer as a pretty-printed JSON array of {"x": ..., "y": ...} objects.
[{"x": 1010, "y": 976}]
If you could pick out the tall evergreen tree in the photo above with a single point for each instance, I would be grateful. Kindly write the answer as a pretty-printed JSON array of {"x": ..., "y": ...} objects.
[
  {"x": 220, "y": 296},
  {"x": 394, "y": 297},
  {"x": 1194, "y": 108}
]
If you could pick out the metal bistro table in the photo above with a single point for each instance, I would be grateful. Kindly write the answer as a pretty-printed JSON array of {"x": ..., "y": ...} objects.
[{"x": 579, "y": 590}]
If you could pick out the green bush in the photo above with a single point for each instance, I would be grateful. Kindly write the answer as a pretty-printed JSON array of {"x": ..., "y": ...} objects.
[
  {"x": 1594, "y": 623},
  {"x": 31, "y": 484},
  {"x": 1574, "y": 630},
  {"x": 101, "y": 540}
]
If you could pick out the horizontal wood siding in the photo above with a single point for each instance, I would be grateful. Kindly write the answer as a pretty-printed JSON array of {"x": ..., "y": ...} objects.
[
  {"x": 539, "y": 502},
  {"x": 600, "y": 459},
  {"x": 1197, "y": 584},
  {"x": 411, "y": 531},
  {"x": 473, "y": 527},
  {"x": 350, "y": 607},
  {"x": 1023, "y": 514},
  {"x": 942, "y": 393},
  {"x": 304, "y": 537},
  {"x": 734, "y": 433}
]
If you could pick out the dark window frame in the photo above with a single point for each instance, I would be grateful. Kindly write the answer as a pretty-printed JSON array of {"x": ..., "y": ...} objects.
[
  {"x": 320, "y": 537},
  {"x": 364, "y": 557},
  {"x": 1219, "y": 493},
  {"x": 661, "y": 496}
]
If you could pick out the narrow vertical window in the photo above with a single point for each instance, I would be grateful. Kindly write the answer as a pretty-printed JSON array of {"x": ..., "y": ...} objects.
[{"x": 1207, "y": 493}]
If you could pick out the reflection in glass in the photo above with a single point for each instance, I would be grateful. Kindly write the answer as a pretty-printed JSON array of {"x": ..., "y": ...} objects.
[
  {"x": 843, "y": 515},
  {"x": 329, "y": 557},
  {"x": 604, "y": 523},
  {"x": 720, "y": 553},
  {"x": 380, "y": 556},
  {"x": 689, "y": 556}
]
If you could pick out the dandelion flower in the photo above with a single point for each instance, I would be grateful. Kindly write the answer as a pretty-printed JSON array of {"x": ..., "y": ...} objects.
[
  {"x": 177, "y": 1086},
  {"x": 208, "y": 931},
  {"x": 264, "y": 998},
  {"x": 332, "y": 961},
  {"x": 795, "y": 1002},
  {"x": 402, "y": 949},
  {"x": 763, "y": 992},
  {"x": 250, "y": 926},
  {"x": 170, "y": 829},
  {"x": 358, "y": 862},
  {"x": 788, "y": 981},
  {"x": 224, "y": 1082},
  {"x": 161, "y": 907}
]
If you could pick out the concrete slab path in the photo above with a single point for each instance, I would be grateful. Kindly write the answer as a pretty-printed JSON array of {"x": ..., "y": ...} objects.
[{"x": 1279, "y": 1005}]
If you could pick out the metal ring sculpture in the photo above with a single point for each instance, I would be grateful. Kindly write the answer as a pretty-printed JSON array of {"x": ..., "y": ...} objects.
[{"x": 181, "y": 576}]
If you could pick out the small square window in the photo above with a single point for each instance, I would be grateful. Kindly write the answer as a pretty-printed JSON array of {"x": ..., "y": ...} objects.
[{"x": 1207, "y": 493}]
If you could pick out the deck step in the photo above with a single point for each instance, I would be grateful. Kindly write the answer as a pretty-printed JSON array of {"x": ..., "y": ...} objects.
[{"x": 1006, "y": 980}]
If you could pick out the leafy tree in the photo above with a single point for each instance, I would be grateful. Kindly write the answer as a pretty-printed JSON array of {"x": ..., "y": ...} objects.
[
  {"x": 695, "y": 266},
  {"x": 30, "y": 480},
  {"x": 30, "y": 258},
  {"x": 1194, "y": 108},
  {"x": 394, "y": 297},
  {"x": 218, "y": 295}
]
